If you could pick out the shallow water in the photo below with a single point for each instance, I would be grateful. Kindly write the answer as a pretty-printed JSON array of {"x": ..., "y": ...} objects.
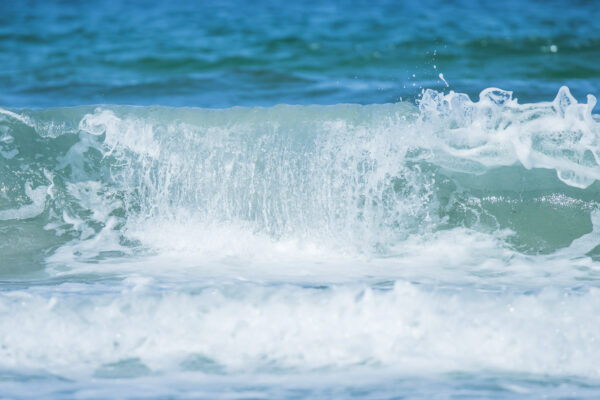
[{"x": 442, "y": 246}]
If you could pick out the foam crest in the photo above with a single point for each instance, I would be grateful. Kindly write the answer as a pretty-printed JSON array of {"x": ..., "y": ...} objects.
[
  {"x": 7, "y": 115},
  {"x": 354, "y": 179},
  {"x": 497, "y": 131},
  {"x": 134, "y": 134},
  {"x": 283, "y": 176}
]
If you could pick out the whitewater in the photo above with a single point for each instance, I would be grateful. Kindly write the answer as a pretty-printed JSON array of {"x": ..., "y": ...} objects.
[{"x": 444, "y": 246}]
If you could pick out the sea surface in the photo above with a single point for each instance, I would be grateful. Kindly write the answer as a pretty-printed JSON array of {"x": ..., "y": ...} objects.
[{"x": 285, "y": 200}]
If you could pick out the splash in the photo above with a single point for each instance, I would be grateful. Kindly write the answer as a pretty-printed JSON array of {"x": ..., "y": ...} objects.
[
  {"x": 393, "y": 240},
  {"x": 355, "y": 179}
]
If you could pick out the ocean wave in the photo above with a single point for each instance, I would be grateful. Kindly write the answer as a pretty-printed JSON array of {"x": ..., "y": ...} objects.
[{"x": 353, "y": 178}]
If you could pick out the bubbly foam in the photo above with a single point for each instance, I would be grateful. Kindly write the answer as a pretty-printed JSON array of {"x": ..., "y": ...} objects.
[
  {"x": 252, "y": 329},
  {"x": 389, "y": 239},
  {"x": 37, "y": 199}
]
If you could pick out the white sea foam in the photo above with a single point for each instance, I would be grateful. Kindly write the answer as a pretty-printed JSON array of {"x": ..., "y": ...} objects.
[
  {"x": 560, "y": 135},
  {"x": 393, "y": 239},
  {"x": 247, "y": 328},
  {"x": 37, "y": 200}
]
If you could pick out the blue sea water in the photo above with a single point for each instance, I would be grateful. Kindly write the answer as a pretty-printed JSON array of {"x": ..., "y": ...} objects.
[
  {"x": 299, "y": 199},
  {"x": 233, "y": 53}
]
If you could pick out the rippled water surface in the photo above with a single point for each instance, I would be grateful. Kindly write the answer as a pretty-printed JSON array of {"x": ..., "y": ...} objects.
[{"x": 232, "y": 53}]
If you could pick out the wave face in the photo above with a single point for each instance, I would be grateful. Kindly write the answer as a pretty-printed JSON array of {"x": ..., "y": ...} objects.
[
  {"x": 381, "y": 239},
  {"x": 356, "y": 178}
]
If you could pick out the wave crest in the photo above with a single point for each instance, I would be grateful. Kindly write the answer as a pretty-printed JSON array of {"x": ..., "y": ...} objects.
[
  {"x": 497, "y": 131},
  {"x": 351, "y": 176}
]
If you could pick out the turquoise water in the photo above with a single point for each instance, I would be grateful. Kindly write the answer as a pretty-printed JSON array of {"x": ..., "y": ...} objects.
[
  {"x": 341, "y": 200},
  {"x": 229, "y": 53}
]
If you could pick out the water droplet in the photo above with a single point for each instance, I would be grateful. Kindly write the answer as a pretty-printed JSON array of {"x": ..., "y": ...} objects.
[{"x": 443, "y": 80}]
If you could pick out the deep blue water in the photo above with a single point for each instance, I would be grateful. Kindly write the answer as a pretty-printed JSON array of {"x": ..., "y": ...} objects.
[{"x": 231, "y": 53}]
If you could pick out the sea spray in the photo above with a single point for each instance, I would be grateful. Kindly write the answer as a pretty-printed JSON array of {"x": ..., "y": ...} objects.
[{"x": 356, "y": 178}]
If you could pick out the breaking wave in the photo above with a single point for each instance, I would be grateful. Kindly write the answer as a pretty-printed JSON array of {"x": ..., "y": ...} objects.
[{"x": 355, "y": 178}]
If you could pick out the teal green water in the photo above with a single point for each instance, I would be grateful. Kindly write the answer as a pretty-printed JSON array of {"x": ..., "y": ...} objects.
[{"x": 401, "y": 228}]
